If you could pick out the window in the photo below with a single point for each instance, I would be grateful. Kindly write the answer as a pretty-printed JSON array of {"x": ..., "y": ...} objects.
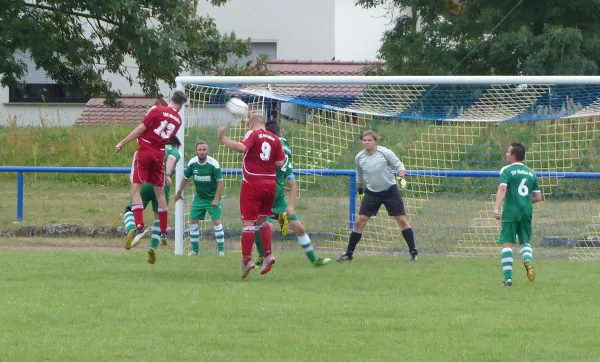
[{"x": 48, "y": 93}]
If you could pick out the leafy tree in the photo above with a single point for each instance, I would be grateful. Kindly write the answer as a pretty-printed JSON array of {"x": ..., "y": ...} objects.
[
  {"x": 478, "y": 37},
  {"x": 77, "y": 42}
]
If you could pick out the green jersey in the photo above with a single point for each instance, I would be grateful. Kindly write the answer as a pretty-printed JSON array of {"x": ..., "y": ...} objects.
[
  {"x": 520, "y": 182},
  {"x": 285, "y": 172},
  {"x": 206, "y": 177},
  {"x": 171, "y": 151}
]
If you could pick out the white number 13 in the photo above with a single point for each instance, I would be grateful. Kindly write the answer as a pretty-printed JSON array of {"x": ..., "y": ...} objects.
[
  {"x": 265, "y": 153},
  {"x": 165, "y": 129}
]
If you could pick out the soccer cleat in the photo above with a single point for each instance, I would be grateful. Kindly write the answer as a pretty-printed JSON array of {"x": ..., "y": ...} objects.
[
  {"x": 151, "y": 256},
  {"x": 139, "y": 235},
  {"x": 163, "y": 239},
  {"x": 413, "y": 255},
  {"x": 321, "y": 261},
  {"x": 221, "y": 253},
  {"x": 131, "y": 235},
  {"x": 530, "y": 270},
  {"x": 259, "y": 261},
  {"x": 344, "y": 257},
  {"x": 192, "y": 253},
  {"x": 267, "y": 264},
  {"x": 284, "y": 223},
  {"x": 247, "y": 268},
  {"x": 507, "y": 283}
]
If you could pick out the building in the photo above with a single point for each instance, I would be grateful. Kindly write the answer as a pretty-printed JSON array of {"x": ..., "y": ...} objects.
[{"x": 312, "y": 30}]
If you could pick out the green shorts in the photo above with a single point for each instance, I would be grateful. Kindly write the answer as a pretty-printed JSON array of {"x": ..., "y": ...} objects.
[
  {"x": 148, "y": 196},
  {"x": 200, "y": 207},
  {"x": 511, "y": 229},
  {"x": 279, "y": 206}
]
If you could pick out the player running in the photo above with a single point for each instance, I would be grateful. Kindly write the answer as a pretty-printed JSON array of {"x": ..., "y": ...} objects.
[
  {"x": 262, "y": 154},
  {"x": 160, "y": 124},
  {"x": 208, "y": 181},
  {"x": 172, "y": 156},
  {"x": 283, "y": 211},
  {"x": 519, "y": 190}
]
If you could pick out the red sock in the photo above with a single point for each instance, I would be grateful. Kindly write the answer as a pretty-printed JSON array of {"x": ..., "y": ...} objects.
[
  {"x": 138, "y": 216},
  {"x": 163, "y": 219},
  {"x": 247, "y": 243},
  {"x": 266, "y": 237}
]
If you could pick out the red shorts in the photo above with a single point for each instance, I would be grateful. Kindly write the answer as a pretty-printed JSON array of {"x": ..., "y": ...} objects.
[
  {"x": 256, "y": 199},
  {"x": 148, "y": 166}
]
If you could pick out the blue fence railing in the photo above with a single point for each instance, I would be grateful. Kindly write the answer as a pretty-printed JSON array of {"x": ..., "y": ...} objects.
[{"x": 351, "y": 174}]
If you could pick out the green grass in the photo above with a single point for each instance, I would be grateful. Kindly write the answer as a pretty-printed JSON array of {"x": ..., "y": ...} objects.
[{"x": 111, "y": 306}]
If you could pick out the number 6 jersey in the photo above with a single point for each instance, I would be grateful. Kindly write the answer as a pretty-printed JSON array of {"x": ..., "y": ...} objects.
[
  {"x": 263, "y": 149},
  {"x": 162, "y": 123},
  {"x": 520, "y": 182}
]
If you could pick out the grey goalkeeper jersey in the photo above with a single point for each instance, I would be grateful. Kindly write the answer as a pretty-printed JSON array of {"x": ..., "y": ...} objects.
[{"x": 375, "y": 170}]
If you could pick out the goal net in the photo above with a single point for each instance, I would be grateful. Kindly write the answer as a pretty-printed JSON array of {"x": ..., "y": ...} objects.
[{"x": 450, "y": 132}]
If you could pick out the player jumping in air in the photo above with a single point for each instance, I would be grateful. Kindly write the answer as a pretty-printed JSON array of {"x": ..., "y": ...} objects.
[
  {"x": 208, "y": 180},
  {"x": 262, "y": 154},
  {"x": 374, "y": 167},
  {"x": 284, "y": 212},
  {"x": 160, "y": 124},
  {"x": 148, "y": 196},
  {"x": 519, "y": 190}
]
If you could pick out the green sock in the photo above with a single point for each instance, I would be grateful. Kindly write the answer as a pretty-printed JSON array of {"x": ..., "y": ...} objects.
[
  {"x": 220, "y": 237},
  {"x": 259, "y": 247},
  {"x": 507, "y": 262},
  {"x": 129, "y": 221},
  {"x": 155, "y": 238},
  {"x": 304, "y": 242},
  {"x": 194, "y": 236},
  {"x": 526, "y": 252}
]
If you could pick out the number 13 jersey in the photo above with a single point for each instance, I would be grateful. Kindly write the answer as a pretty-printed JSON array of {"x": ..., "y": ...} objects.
[
  {"x": 162, "y": 123},
  {"x": 263, "y": 149},
  {"x": 520, "y": 182}
]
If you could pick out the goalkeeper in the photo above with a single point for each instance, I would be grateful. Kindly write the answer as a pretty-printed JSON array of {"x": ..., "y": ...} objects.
[
  {"x": 374, "y": 168},
  {"x": 148, "y": 196},
  {"x": 283, "y": 211}
]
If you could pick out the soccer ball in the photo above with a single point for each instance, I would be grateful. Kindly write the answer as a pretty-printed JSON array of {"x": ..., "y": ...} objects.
[{"x": 237, "y": 107}]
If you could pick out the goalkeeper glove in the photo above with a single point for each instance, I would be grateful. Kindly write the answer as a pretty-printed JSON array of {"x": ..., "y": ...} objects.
[
  {"x": 360, "y": 194},
  {"x": 401, "y": 182}
]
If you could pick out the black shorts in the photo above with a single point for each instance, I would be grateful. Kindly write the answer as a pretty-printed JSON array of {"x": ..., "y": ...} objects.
[{"x": 390, "y": 198}]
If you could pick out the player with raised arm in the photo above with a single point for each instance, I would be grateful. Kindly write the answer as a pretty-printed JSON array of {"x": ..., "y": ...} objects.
[
  {"x": 160, "y": 124},
  {"x": 374, "y": 170},
  {"x": 205, "y": 171},
  {"x": 284, "y": 212},
  {"x": 262, "y": 154},
  {"x": 172, "y": 156},
  {"x": 519, "y": 190}
]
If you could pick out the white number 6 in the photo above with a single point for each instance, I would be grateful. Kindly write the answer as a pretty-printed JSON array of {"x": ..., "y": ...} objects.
[{"x": 523, "y": 189}]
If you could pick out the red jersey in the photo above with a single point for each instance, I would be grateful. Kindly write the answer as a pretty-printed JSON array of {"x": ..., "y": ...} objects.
[
  {"x": 263, "y": 149},
  {"x": 162, "y": 123}
]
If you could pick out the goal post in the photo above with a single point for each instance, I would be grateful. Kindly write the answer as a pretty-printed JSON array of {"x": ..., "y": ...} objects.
[{"x": 450, "y": 132}]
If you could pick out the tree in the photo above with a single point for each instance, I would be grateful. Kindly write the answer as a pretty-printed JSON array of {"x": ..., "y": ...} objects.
[
  {"x": 77, "y": 42},
  {"x": 479, "y": 37}
]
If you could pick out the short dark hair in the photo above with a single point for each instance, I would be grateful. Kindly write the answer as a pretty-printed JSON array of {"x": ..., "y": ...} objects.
[
  {"x": 370, "y": 134},
  {"x": 174, "y": 141},
  {"x": 273, "y": 127},
  {"x": 200, "y": 143},
  {"x": 179, "y": 97},
  {"x": 517, "y": 150}
]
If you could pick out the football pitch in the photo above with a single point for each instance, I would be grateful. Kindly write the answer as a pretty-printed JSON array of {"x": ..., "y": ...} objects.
[{"x": 76, "y": 304}]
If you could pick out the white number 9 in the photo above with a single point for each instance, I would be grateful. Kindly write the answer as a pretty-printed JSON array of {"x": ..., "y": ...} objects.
[{"x": 265, "y": 155}]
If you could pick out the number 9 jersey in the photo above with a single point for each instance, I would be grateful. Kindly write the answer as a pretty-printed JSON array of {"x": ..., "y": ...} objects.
[
  {"x": 263, "y": 149},
  {"x": 161, "y": 123}
]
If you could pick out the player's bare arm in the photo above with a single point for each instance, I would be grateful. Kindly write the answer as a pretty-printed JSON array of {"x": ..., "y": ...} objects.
[
  {"x": 499, "y": 199},
  {"x": 220, "y": 187},
  {"x": 137, "y": 132},
  {"x": 170, "y": 166},
  {"x": 536, "y": 196},
  {"x": 234, "y": 145},
  {"x": 181, "y": 187}
]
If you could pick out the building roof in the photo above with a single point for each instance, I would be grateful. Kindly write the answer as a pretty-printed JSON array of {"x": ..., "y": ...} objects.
[
  {"x": 132, "y": 110},
  {"x": 326, "y": 67}
]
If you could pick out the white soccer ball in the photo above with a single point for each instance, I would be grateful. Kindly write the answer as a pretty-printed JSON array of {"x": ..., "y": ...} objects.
[{"x": 237, "y": 107}]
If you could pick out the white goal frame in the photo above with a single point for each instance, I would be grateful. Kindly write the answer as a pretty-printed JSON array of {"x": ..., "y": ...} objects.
[{"x": 182, "y": 81}]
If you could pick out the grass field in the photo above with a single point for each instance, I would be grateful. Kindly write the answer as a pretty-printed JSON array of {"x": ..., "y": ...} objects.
[{"x": 77, "y": 305}]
